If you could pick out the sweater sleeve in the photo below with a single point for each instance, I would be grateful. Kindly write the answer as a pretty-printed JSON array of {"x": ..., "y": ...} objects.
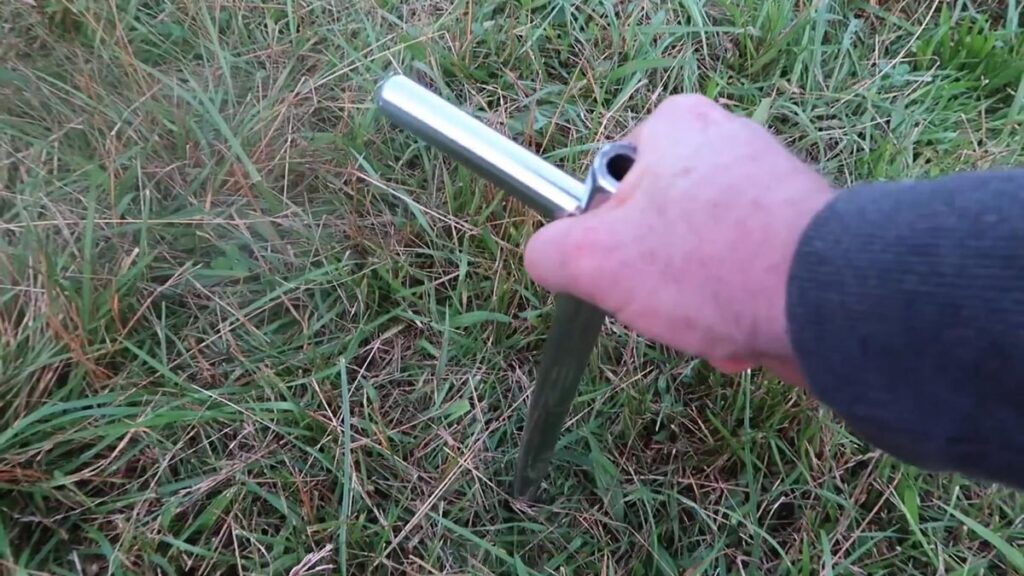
[{"x": 905, "y": 305}]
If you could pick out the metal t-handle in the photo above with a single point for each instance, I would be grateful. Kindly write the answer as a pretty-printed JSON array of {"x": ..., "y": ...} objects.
[{"x": 553, "y": 194}]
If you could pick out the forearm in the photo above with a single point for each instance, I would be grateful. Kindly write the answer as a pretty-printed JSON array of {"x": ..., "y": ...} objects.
[{"x": 905, "y": 306}]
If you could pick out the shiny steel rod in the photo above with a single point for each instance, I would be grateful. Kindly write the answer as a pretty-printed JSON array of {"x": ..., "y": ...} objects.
[{"x": 543, "y": 187}]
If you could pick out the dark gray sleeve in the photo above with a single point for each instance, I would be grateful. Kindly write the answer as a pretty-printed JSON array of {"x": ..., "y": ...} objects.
[{"x": 906, "y": 310}]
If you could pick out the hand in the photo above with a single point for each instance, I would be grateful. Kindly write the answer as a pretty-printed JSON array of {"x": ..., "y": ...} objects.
[{"x": 695, "y": 248}]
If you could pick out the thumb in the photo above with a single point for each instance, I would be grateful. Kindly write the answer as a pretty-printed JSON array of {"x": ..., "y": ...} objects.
[
  {"x": 575, "y": 255},
  {"x": 547, "y": 254}
]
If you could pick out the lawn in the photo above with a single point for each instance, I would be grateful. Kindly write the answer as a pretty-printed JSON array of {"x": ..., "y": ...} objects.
[{"x": 246, "y": 326}]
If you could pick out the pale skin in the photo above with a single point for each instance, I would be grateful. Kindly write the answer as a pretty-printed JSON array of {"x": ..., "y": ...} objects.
[{"x": 695, "y": 248}]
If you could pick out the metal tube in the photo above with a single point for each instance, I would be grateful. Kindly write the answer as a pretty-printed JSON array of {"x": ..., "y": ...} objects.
[{"x": 515, "y": 169}]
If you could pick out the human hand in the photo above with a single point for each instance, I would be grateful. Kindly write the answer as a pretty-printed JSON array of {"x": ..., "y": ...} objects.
[{"x": 695, "y": 248}]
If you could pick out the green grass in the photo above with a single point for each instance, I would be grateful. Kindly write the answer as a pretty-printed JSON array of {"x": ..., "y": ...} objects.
[{"x": 246, "y": 326}]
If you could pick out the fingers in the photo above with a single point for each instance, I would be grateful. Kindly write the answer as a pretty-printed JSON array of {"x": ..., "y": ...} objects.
[
  {"x": 788, "y": 370},
  {"x": 676, "y": 135},
  {"x": 731, "y": 366}
]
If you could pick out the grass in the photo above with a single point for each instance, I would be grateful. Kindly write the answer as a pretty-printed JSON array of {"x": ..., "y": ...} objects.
[{"x": 248, "y": 327}]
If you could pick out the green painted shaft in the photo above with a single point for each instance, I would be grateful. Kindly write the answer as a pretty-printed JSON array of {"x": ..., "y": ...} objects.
[{"x": 573, "y": 336}]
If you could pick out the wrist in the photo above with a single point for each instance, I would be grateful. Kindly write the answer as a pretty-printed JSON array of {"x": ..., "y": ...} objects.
[{"x": 793, "y": 216}]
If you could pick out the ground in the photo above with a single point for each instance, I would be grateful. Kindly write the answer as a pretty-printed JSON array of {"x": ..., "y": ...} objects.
[{"x": 246, "y": 326}]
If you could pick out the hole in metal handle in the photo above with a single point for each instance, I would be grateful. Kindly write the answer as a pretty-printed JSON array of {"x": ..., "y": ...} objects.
[
  {"x": 618, "y": 165},
  {"x": 609, "y": 169}
]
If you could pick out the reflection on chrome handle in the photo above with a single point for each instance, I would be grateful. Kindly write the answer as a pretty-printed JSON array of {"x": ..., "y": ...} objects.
[{"x": 508, "y": 165}]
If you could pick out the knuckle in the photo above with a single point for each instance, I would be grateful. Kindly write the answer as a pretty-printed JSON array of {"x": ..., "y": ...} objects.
[
  {"x": 691, "y": 103},
  {"x": 693, "y": 108}
]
